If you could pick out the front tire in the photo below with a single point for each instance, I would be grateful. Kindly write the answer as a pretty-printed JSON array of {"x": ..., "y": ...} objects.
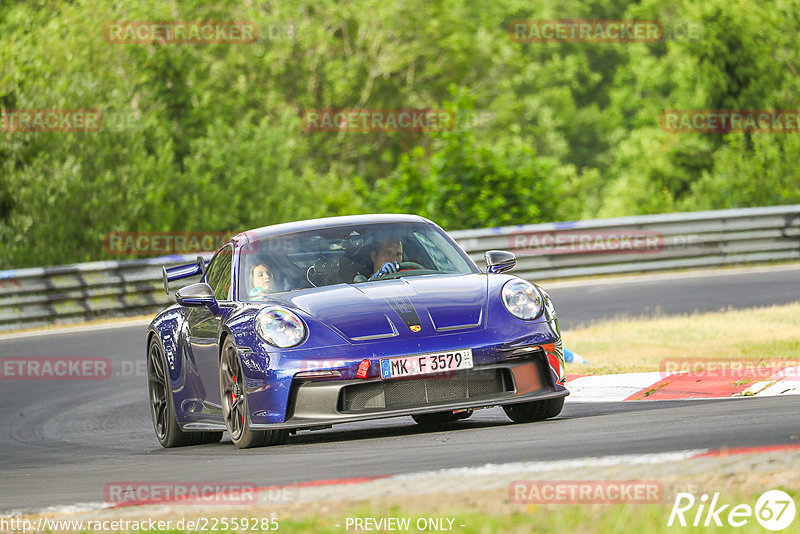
[
  {"x": 235, "y": 409},
  {"x": 162, "y": 409},
  {"x": 529, "y": 412}
]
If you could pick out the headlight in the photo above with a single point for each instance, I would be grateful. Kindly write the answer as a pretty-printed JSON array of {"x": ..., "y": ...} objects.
[
  {"x": 280, "y": 327},
  {"x": 522, "y": 299}
]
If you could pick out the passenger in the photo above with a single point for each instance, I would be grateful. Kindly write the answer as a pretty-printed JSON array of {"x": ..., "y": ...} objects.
[{"x": 261, "y": 281}]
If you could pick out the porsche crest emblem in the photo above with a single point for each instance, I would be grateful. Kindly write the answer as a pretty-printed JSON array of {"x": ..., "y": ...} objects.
[{"x": 415, "y": 328}]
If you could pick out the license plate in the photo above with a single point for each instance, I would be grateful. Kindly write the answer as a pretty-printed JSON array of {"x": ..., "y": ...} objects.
[{"x": 426, "y": 364}]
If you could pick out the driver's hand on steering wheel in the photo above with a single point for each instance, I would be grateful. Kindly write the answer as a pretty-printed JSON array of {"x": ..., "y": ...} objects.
[{"x": 387, "y": 268}]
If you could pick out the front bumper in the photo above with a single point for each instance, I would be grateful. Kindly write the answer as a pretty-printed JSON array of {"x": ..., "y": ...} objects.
[{"x": 319, "y": 404}]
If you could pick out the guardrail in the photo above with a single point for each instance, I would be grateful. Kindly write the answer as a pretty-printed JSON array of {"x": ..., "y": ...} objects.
[
  {"x": 44, "y": 296},
  {"x": 643, "y": 243},
  {"x": 51, "y": 295}
]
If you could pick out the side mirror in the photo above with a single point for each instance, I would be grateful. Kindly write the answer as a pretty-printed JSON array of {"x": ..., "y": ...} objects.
[
  {"x": 499, "y": 261},
  {"x": 195, "y": 295}
]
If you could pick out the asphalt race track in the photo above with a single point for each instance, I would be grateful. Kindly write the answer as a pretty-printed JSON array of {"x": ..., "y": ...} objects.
[
  {"x": 579, "y": 303},
  {"x": 61, "y": 442}
]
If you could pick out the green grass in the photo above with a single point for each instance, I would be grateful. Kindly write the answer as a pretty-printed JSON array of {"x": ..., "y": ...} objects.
[
  {"x": 583, "y": 519},
  {"x": 637, "y": 345}
]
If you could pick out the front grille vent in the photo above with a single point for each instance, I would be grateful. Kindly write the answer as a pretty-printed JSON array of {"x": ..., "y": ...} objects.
[{"x": 410, "y": 393}]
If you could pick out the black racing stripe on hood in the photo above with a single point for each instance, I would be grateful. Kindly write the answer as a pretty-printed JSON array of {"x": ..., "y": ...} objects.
[{"x": 405, "y": 309}]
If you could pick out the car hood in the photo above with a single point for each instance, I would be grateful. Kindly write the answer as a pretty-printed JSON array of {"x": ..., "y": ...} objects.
[{"x": 400, "y": 308}]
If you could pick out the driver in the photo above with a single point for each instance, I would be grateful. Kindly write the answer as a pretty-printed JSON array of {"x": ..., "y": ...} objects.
[{"x": 386, "y": 258}]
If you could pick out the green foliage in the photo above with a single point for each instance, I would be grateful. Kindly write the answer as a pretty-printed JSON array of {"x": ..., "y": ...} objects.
[
  {"x": 212, "y": 140},
  {"x": 744, "y": 57},
  {"x": 761, "y": 171},
  {"x": 461, "y": 182}
]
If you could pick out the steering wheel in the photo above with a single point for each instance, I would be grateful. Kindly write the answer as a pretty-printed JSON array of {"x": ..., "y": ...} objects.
[
  {"x": 404, "y": 266},
  {"x": 409, "y": 266}
]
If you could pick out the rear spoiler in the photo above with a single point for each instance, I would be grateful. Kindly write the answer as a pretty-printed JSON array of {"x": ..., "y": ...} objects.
[{"x": 170, "y": 274}]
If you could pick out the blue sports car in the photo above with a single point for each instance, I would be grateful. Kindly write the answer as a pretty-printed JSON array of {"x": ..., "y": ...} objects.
[{"x": 302, "y": 325}]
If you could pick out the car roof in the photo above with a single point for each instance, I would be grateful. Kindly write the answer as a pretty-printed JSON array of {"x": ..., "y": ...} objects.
[{"x": 327, "y": 222}]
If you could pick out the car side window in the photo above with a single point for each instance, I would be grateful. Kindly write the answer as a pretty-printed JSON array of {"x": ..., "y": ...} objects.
[{"x": 219, "y": 274}]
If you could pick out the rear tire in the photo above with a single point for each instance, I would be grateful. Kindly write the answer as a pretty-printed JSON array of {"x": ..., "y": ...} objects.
[
  {"x": 529, "y": 412},
  {"x": 440, "y": 418},
  {"x": 162, "y": 409},
  {"x": 235, "y": 409}
]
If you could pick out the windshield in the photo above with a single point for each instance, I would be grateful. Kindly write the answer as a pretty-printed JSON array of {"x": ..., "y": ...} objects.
[{"x": 346, "y": 254}]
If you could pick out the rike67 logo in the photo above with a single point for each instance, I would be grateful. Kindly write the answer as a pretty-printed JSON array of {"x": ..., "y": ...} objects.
[{"x": 774, "y": 510}]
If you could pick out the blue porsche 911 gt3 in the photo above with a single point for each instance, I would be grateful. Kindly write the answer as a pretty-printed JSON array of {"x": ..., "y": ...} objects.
[{"x": 302, "y": 325}]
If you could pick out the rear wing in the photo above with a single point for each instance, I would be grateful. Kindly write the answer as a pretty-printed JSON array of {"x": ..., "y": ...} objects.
[{"x": 179, "y": 272}]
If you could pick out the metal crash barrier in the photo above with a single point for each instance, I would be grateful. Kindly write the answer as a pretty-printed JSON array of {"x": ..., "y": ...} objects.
[{"x": 70, "y": 293}]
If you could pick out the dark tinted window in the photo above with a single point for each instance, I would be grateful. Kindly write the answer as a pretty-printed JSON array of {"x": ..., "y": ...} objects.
[{"x": 345, "y": 254}]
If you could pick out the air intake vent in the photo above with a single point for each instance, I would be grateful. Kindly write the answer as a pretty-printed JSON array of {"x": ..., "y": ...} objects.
[{"x": 417, "y": 392}]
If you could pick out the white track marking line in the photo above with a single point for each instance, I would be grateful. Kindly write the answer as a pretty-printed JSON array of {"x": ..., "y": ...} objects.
[
  {"x": 700, "y": 273},
  {"x": 76, "y": 329},
  {"x": 558, "y": 465}
]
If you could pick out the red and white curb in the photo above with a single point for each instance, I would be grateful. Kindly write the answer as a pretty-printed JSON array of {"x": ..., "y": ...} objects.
[{"x": 763, "y": 382}]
